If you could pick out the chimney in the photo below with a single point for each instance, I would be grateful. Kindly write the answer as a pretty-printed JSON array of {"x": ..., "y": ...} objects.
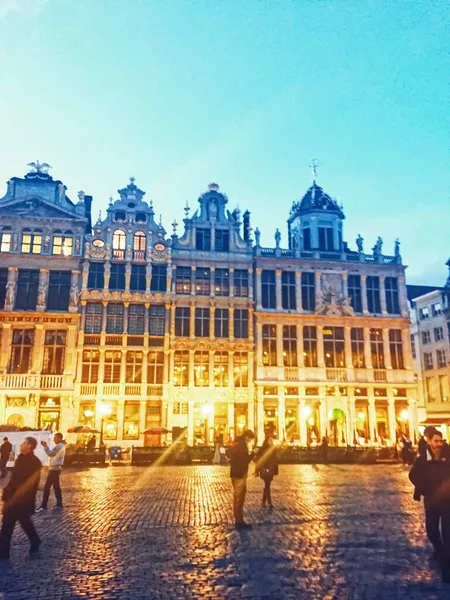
[
  {"x": 87, "y": 213},
  {"x": 246, "y": 226}
]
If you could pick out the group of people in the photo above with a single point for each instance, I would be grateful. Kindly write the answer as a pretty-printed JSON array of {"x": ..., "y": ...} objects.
[{"x": 19, "y": 496}]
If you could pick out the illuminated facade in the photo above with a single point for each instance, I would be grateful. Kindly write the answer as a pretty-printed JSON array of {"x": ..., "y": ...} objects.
[{"x": 206, "y": 333}]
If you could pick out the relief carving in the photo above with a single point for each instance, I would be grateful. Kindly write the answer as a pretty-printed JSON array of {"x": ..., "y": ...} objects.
[{"x": 331, "y": 299}]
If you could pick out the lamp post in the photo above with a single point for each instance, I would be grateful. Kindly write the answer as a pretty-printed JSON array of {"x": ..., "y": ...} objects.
[{"x": 104, "y": 410}]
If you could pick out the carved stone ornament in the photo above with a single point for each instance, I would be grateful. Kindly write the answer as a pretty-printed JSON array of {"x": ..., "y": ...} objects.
[
  {"x": 126, "y": 296},
  {"x": 332, "y": 300},
  {"x": 16, "y": 401},
  {"x": 95, "y": 252},
  {"x": 160, "y": 257},
  {"x": 10, "y": 291}
]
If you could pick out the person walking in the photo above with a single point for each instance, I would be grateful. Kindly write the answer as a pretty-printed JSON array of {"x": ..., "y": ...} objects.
[
  {"x": 90, "y": 447},
  {"x": 324, "y": 450},
  {"x": 19, "y": 498},
  {"x": 430, "y": 476},
  {"x": 267, "y": 468},
  {"x": 56, "y": 455},
  {"x": 5, "y": 452},
  {"x": 239, "y": 461}
]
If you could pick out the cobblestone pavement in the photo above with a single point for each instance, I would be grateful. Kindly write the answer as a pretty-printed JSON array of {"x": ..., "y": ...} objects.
[{"x": 344, "y": 532}]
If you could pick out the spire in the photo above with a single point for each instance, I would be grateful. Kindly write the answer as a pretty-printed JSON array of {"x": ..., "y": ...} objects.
[{"x": 313, "y": 165}]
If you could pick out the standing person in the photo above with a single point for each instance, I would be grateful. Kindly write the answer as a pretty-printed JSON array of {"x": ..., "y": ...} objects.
[
  {"x": 430, "y": 475},
  {"x": 324, "y": 450},
  {"x": 56, "y": 455},
  {"x": 267, "y": 468},
  {"x": 424, "y": 441},
  {"x": 19, "y": 498},
  {"x": 5, "y": 451},
  {"x": 91, "y": 444},
  {"x": 239, "y": 461}
]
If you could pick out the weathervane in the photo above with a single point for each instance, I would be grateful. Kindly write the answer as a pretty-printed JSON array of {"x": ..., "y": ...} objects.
[
  {"x": 313, "y": 165},
  {"x": 39, "y": 167}
]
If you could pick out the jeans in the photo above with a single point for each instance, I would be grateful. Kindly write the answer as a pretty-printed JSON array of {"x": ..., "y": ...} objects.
[
  {"x": 52, "y": 480},
  {"x": 8, "y": 525},
  {"x": 266, "y": 494},
  {"x": 240, "y": 489},
  {"x": 436, "y": 515}
]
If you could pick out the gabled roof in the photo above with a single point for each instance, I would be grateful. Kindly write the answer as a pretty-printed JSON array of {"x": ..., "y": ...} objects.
[{"x": 415, "y": 291}]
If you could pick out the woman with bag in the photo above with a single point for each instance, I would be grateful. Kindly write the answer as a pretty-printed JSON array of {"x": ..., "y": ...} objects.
[{"x": 267, "y": 468}]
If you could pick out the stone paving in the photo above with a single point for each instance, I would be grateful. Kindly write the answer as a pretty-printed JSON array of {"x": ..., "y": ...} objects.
[{"x": 128, "y": 533}]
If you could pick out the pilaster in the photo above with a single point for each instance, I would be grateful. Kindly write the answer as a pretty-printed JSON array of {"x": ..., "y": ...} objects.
[
  {"x": 367, "y": 348},
  {"x": 383, "y": 295},
  {"x": 386, "y": 349},
  {"x": 258, "y": 289},
  {"x": 364, "y": 294},
  {"x": 320, "y": 353},
  {"x": 42, "y": 290},
  {"x": 278, "y": 290},
  {"x": 11, "y": 286},
  {"x": 318, "y": 289},
  {"x": 298, "y": 290}
]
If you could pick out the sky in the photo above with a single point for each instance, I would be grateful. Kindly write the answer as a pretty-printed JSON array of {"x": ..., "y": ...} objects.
[{"x": 180, "y": 93}]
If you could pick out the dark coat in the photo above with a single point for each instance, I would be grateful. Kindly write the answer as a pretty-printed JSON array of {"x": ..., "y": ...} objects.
[
  {"x": 239, "y": 459},
  {"x": 267, "y": 458},
  {"x": 422, "y": 446},
  {"x": 431, "y": 479},
  {"x": 19, "y": 496},
  {"x": 5, "y": 451}
]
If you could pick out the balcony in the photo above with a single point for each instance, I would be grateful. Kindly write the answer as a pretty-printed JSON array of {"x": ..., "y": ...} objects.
[
  {"x": 139, "y": 255},
  {"x": 291, "y": 373},
  {"x": 51, "y": 382},
  {"x": 379, "y": 376},
  {"x": 113, "y": 340},
  {"x": 25, "y": 381},
  {"x": 88, "y": 389},
  {"x": 337, "y": 375},
  {"x": 92, "y": 340},
  {"x": 111, "y": 389},
  {"x": 135, "y": 340},
  {"x": 154, "y": 390},
  {"x": 117, "y": 253},
  {"x": 132, "y": 389}
]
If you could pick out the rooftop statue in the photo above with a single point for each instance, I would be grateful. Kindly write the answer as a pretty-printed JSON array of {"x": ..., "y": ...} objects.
[
  {"x": 257, "y": 236},
  {"x": 359, "y": 243},
  {"x": 38, "y": 167},
  {"x": 378, "y": 247}
]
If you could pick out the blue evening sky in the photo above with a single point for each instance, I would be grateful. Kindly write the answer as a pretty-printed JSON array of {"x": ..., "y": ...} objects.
[{"x": 180, "y": 93}]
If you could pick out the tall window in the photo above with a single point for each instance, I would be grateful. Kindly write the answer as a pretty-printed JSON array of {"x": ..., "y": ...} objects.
[
  {"x": 426, "y": 337},
  {"x": 96, "y": 278},
  {"x": 240, "y": 369},
  {"x": 268, "y": 287},
  {"x": 308, "y": 291},
  {"x": 444, "y": 388},
  {"x": 326, "y": 238},
  {"x": 441, "y": 359},
  {"x": 117, "y": 278},
  {"x": 136, "y": 319},
  {"x": 310, "y": 345},
  {"x": 157, "y": 321},
  {"x": 93, "y": 321},
  {"x": 133, "y": 370},
  {"x": 241, "y": 323},
  {"x": 139, "y": 245},
  {"x": 155, "y": 368},
  {"x": 222, "y": 282},
  {"x": 21, "y": 350},
  {"x": 413, "y": 346},
  {"x": 90, "y": 366},
  {"x": 288, "y": 301},
  {"x": 119, "y": 243},
  {"x": 424, "y": 313},
  {"x": 307, "y": 238},
  {"x": 333, "y": 346},
  {"x": 59, "y": 290},
  {"x": 240, "y": 283},
  {"x": 5, "y": 239},
  {"x": 62, "y": 243},
  {"x": 376, "y": 348},
  {"x": 392, "y": 301},
  {"x": 159, "y": 279},
  {"x": 428, "y": 361},
  {"x": 269, "y": 346},
  {"x": 202, "y": 281},
  {"x": 3, "y": 282},
  {"x": 201, "y": 369},
  {"x": 354, "y": 291},
  {"x": 183, "y": 280},
  {"x": 182, "y": 321},
  {"x": 203, "y": 239},
  {"x": 221, "y": 319},
  {"x": 436, "y": 309},
  {"x": 438, "y": 334},
  {"x": 27, "y": 289},
  {"x": 181, "y": 368},
  {"x": 220, "y": 369},
  {"x": 113, "y": 359},
  {"x": 138, "y": 278},
  {"x": 222, "y": 240},
  {"x": 396, "y": 348},
  {"x": 373, "y": 294},
  {"x": 357, "y": 340},
  {"x": 31, "y": 241},
  {"x": 54, "y": 352},
  {"x": 114, "y": 318},
  {"x": 202, "y": 322},
  {"x": 290, "y": 345}
]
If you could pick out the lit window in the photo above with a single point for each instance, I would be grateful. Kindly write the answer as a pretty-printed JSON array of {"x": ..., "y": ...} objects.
[{"x": 5, "y": 240}]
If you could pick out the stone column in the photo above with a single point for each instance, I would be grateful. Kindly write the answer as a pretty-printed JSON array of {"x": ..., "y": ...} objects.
[
  {"x": 71, "y": 351},
  {"x": 107, "y": 275},
  {"x": 230, "y": 370},
  {"x": 11, "y": 286},
  {"x": 260, "y": 414},
  {"x": 74, "y": 291},
  {"x": 85, "y": 275},
  {"x": 412, "y": 417},
  {"x": 193, "y": 272},
  {"x": 211, "y": 370},
  {"x": 127, "y": 276},
  {"x": 251, "y": 317},
  {"x": 146, "y": 321},
  {"x": 148, "y": 277},
  {"x": 6, "y": 341},
  {"x": 126, "y": 307},
  {"x": 320, "y": 353},
  {"x": 383, "y": 295},
  {"x": 407, "y": 350},
  {"x": 212, "y": 323},
  {"x": 259, "y": 345},
  {"x": 352, "y": 414},
  {"x": 298, "y": 291},
  {"x": 392, "y": 417},
  {"x": 250, "y": 285},
  {"x": 372, "y": 417},
  {"x": 104, "y": 316},
  {"x": 281, "y": 414},
  {"x": 166, "y": 366},
  {"x": 364, "y": 294},
  {"x": 367, "y": 348},
  {"x": 173, "y": 279},
  {"x": 169, "y": 282},
  {"x": 120, "y": 418},
  {"x": 348, "y": 347},
  {"x": 318, "y": 289},
  {"x": 42, "y": 290},
  {"x": 258, "y": 289},
  {"x": 251, "y": 359},
  {"x": 231, "y": 281},
  {"x": 386, "y": 349},
  {"x": 212, "y": 291},
  {"x": 251, "y": 415},
  {"x": 192, "y": 322},
  {"x": 302, "y": 422},
  {"x": 231, "y": 323},
  {"x": 323, "y": 414},
  {"x": 280, "y": 358},
  {"x": 191, "y": 369},
  {"x": 278, "y": 289},
  {"x": 191, "y": 423},
  {"x": 403, "y": 297},
  {"x": 345, "y": 284},
  {"x": 230, "y": 419},
  {"x": 172, "y": 320},
  {"x": 142, "y": 416},
  {"x": 300, "y": 347},
  {"x": 38, "y": 348}
]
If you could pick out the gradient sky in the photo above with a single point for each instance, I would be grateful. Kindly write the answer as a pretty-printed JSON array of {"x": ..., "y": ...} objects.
[{"x": 179, "y": 93}]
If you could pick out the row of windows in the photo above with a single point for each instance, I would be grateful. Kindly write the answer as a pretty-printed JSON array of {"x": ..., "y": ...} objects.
[
  {"x": 22, "y": 351},
  {"x": 436, "y": 310},
  {"x": 333, "y": 347},
  {"x": 27, "y": 291},
  {"x": 115, "y": 319},
  {"x": 202, "y": 322},
  {"x": 308, "y": 293},
  {"x": 438, "y": 334},
  {"x": 437, "y": 389},
  {"x": 31, "y": 241},
  {"x": 441, "y": 360},
  {"x": 96, "y": 278}
]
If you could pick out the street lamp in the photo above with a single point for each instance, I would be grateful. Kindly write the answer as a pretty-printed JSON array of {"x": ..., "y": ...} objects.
[{"x": 104, "y": 410}]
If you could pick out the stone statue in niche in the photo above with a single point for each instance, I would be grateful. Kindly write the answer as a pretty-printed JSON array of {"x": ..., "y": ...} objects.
[
  {"x": 360, "y": 243},
  {"x": 74, "y": 294},
  {"x": 10, "y": 291},
  {"x": 257, "y": 236},
  {"x": 212, "y": 209}
]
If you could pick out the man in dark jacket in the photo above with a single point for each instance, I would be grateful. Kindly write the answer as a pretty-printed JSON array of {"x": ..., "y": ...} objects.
[
  {"x": 430, "y": 475},
  {"x": 239, "y": 461},
  {"x": 5, "y": 451},
  {"x": 19, "y": 498}
]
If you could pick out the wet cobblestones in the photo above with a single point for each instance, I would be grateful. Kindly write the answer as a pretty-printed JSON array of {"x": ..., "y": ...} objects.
[{"x": 128, "y": 533}]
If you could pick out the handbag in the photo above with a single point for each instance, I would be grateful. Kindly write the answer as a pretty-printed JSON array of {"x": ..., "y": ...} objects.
[{"x": 266, "y": 472}]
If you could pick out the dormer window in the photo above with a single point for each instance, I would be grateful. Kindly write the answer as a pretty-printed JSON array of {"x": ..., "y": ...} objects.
[
  {"x": 119, "y": 243},
  {"x": 63, "y": 243},
  {"x": 203, "y": 239},
  {"x": 141, "y": 218},
  {"x": 326, "y": 238},
  {"x": 120, "y": 216},
  {"x": 5, "y": 239},
  {"x": 31, "y": 241},
  {"x": 306, "y": 238}
]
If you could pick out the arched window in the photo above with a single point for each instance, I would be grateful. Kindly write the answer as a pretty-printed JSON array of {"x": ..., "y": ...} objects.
[
  {"x": 63, "y": 243},
  {"x": 139, "y": 245},
  {"x": 119, "y": 243},
  {"x": 31, "y": 241},
  {"x": 5, "y": 239}
]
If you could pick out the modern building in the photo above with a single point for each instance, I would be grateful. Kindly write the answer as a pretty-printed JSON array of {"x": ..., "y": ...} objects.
[{"x": 204, "y": 333}]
